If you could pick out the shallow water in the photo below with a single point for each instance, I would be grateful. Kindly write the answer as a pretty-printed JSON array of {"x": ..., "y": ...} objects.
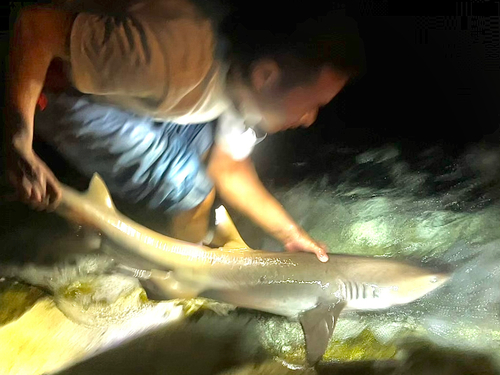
[
  {"x": 437, "y": 209},
  {"x": 448, "y": 215}
]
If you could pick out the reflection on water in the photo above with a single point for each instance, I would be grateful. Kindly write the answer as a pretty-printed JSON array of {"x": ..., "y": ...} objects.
[{"x": 428, "y": 207}]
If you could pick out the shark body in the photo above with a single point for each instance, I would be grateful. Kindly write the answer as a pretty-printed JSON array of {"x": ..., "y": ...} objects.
[{"x": 295, "y": 285}]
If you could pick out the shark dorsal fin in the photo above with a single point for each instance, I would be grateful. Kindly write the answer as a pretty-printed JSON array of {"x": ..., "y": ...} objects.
[
  {"x": 99, "y": 193},
  {"x": 226, "y": 232}
]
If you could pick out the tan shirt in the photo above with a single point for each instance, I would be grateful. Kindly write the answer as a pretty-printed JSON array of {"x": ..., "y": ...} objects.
[{"x": 157, "y": 61}]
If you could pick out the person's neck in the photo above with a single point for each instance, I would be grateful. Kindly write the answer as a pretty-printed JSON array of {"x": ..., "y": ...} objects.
[{"x": 242, "y": 98}]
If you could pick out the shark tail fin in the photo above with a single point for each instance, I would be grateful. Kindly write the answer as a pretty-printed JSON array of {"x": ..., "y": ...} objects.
[{"x": 99, "y": 193}]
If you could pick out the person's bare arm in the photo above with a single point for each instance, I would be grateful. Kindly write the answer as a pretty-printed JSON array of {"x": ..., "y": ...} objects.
[
  {"x": 40, "y": 35},
  {"x": 238, "y": 184}
]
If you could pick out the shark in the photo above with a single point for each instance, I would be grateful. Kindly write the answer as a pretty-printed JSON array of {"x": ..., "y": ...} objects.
[{"x": 294, "y": 285}]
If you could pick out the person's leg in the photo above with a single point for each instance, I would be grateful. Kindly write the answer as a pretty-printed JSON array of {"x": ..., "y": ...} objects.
[
  {"x": 192, "y": 225},
  {"x": 154, "y": 167}
]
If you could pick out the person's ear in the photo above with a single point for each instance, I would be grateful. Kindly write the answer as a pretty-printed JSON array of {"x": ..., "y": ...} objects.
[{"x": 265, "y": 75}]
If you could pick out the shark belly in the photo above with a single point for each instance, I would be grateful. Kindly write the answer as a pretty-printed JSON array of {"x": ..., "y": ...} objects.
[{"x": 286, "y": 299}]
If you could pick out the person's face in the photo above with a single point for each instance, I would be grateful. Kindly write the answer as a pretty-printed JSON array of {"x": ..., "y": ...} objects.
[{"x": 294, "y": 107}]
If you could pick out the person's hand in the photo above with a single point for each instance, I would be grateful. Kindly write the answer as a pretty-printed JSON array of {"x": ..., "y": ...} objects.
[
  {"x": 34, "y": 182},
  {"x": 300, "y": 241}
]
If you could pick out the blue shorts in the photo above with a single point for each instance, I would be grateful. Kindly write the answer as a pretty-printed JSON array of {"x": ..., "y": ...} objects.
[{"x": 153, "y": 164}]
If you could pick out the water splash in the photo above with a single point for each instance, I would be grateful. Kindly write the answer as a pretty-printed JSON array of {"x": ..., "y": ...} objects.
[{"x": 445, "y": 215}]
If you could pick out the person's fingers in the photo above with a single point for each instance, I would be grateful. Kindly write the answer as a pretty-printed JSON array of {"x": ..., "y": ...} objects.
[
  {"x": 41, "y": 180},
  {"x": 309, "y": 246},
  {"x": 322, "y": 255},
  {"x": 54, "y": 193},
  {"x": 30, "y": 192},
  {"x": 41, "y": 206},
  {"x": 36, "y": 194},
  {"x": 24, "y": 189},
  {"x": 37, "y": 201},
  {"x": 34, "y": 183}
]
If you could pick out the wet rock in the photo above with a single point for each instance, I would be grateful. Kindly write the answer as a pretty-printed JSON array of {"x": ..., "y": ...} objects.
[{"x": 16, "y": 299}]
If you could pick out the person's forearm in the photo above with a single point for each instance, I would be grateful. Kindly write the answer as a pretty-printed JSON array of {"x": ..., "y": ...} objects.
[
  {"x": 237, "y": 183},
  {"x": 40, "y": 35}
]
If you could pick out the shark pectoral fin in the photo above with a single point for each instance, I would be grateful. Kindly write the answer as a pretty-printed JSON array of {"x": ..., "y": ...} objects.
[
  {"x": 99, "y": 193},
  {"x": 166, "y": 286},
  {"x": 318, "y": 325},
  {"x": 161, "y": 285},
  {"x": 225, "y": 234}
]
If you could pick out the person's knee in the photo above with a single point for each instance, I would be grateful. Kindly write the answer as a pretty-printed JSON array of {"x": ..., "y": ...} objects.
[{"x": 192, "y": 225}]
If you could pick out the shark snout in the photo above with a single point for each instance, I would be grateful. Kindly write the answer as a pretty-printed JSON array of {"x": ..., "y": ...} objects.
[
  {"x": 439, "y": 279},
  {"x": 426, "y": 284},
  {"x": 411, "y": 289}
]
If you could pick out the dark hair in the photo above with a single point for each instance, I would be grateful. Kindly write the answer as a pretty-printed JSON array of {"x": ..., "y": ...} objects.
[{"x": 300, "y": 48}]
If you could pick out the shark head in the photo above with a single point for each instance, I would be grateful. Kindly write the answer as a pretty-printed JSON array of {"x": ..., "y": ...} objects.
[
  {"x": 411, "y": 287},
  {"x": 392, "y": 284},
  {"x": 372, "y": 285}
]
